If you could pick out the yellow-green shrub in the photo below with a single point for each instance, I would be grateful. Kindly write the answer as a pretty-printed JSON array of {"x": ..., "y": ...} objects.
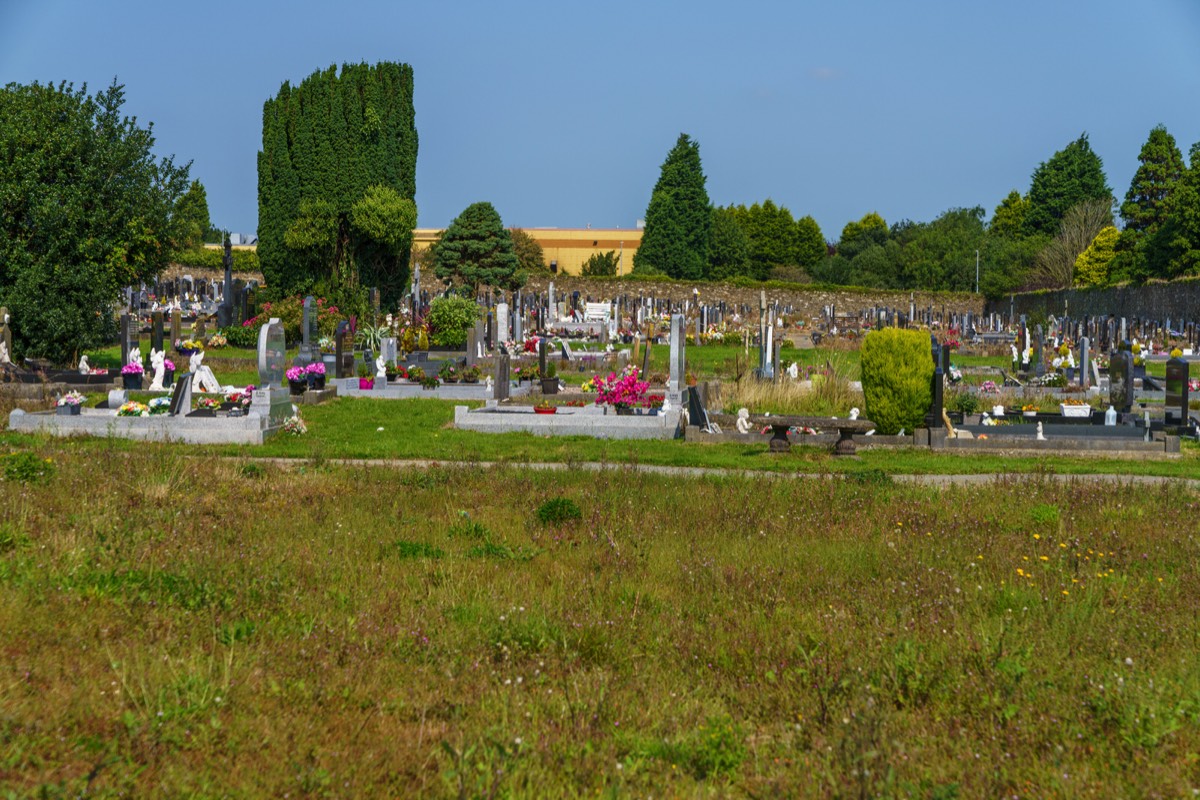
[{"x": 897, "y": 368}]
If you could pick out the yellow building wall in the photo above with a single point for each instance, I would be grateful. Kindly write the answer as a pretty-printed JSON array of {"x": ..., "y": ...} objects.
[{"x": 570, "y": 247}]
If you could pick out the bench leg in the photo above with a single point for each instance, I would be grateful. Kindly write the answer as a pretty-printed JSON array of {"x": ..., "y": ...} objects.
[
  {"x": 779, "y": 442},
  {"x": 845, "y": 444}
]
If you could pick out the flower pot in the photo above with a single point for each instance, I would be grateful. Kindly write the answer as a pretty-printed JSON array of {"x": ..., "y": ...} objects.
[
  {"x": 366, "y": 383},
  {"x": 624, "y": 412},
  {"x": 470, "y": 380},
  {"x": 316, "y": 382},
  {"x": 186, "y": 351},
  {"x": 449, "y": 380},
  {"x": 68, "y": 411},
  {"x": 1075, "y": 411},
  {"x": 549, "y": 385},
  {"x": 549, "y": 410},
  {"x": 1029, "y": 413},
  {"x": 132, "y": 383},
  {"x": 203, "y": 412},
  {"x": 168, "y": 378},
  {"x": 298, "y": 387}
]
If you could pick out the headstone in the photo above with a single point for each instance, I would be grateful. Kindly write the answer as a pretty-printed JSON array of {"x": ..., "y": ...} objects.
[
  {"x": 937, "y": 385},
  {"x": 473, "y": 345},
  {"x": 517, "y": 328},
  {"x": 501, "y": 386},
  {"x": 1177, "y": 391},
  {"x": 1085, "y": 360},
  {"x": 310, "y": 346},
  {"x": 129, "y": 338},
  {"x": 391, "y": 352},
  {"x": 181, "y": 397},
  {"x": 503, "y": 332},
  {"x": 551, "y": 306},
  {"x": 1120, "y": 380},
  {"x": 199, "y": 329},
  {"x": 542, "y": 357},
  {"x": 156, "y": 330},
  {"x": 272, "y": 350},
  {"x": 225, "y": 310},
  {"x": 678, "y": 361},
  {"x": 176, "y": 325},
  {"x": 344, "y": 348}
]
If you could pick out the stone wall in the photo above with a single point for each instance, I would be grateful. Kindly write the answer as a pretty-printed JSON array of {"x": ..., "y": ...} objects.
[
  {"x": 807, "y": 302},
  {"x": 1177, "y": 300}
]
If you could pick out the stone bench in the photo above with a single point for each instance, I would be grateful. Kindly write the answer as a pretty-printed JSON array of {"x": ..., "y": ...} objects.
[{"x": 846, "y": 429}]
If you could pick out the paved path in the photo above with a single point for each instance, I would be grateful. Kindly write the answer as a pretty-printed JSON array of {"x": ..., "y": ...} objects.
[{"x": 698, "y": 472}]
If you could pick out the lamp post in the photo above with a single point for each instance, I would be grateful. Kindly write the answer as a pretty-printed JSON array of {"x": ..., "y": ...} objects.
[{"x": 976, "y": 272}]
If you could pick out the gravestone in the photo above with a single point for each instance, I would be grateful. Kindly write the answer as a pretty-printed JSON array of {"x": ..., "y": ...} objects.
[
  {"x": 503, "y": 333},
  {"x": 933, "y": 419},
  {"x": 678, "y": 361},
  {"x": 225, "y": 310},
  {"x": 1177, "y": 391},
  {"x": 501, "y": 386},
  {"x": 269, "y": 398},
  {"x": 181, "y": 397},
  {"x": 699, "y": 332},
  {"x": 517, "y": 328},
  {"x": 490, "y": 335},
  {"x": 199, "y": 328},
  {"x": 310, "y": 347},
  {"x": 156, "y": 330},
  {"x": 176, "y": 326},
  {"x": 1120, "y": 380},
  {"x": 473, "y": 345},
  {"x": 551, "y": 306},
  {"x": 389, "y": 349},
  {"x": 542, "y": 358},
  {"x": 1085, "y": 360},
  {"x": 129, "y": 338},
  {"x": 344, "y": 348},
  {"x": 1039, "y": 353}
]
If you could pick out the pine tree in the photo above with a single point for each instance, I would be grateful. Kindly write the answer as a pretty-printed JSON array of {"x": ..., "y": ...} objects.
[
  {"x": 1174, "y": 250},
  {"x": 1161, "y": 167},
  {"x": 476, "y": 250},
  {"x": 728, "y": 250},
  {"x": 678, "y": 217},
  {"x": 1071, "y": 176},
  {"x": 336, "y": 178},
  {"x": 810, "y": 243}
]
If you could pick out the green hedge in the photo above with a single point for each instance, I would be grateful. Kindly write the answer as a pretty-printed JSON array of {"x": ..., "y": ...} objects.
[
  {"x": 897, "y": 369},
  {"x": 207, "y": 258}
]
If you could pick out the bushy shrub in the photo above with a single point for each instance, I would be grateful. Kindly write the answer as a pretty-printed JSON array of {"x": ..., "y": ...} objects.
[
  {"x": 897, "y": 367},
  {"x": 449, "y": 320},
  {"x": 214, "y": 258},
  {"x": 558, "y": 510},
  {"x": 290, "y": 311}
]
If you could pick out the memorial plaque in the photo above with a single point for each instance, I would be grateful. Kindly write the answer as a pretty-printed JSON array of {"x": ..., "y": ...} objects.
[
  {"x": 1176, "y": 408},
  {"x": 272, "y": 351}
]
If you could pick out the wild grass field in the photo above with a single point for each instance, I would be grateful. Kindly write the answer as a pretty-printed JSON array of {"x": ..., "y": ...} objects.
[{"x": 175, "y": 626}]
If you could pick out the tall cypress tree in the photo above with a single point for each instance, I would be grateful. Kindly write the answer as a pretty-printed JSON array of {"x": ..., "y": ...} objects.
[
  {"x": 1144, "y": 208},
  {"x": 1071, "y": 176},
  {"x": 336, "y": 181},
  {"x": 678, "y": 218},
  {"x": 1174, "y": 249}
]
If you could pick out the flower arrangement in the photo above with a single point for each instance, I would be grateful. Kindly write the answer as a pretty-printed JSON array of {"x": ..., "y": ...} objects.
[
  {"x": 160, "y": 405},
  {"x": 1194, "y": 384},
  {"x": 395, "y": 372},
  {"x": 1074, "y": 401},
  {"x": 1176, "y": 352},
  {"x": 217, "y": 340},
  {"x": 448, "y": 372},
  {"x": 295, "y": 426},
  {"x": 326, "y": 344},
  {"x": 133, "y": 409},
  {"x": 132, "y": 369},
  {"x": 989, "y": 387},
  {"x": 315, "y": 368},
  {"x": 621, "y": 391},
  {"x": 416, "y": 374},
  {"x": 471, "y": 374},
  {"x": 210, "y": 403},
  {"x": 168, "y": 365},
  {"x": 1138, "y": 359},
  {"x": 71, "y": 398},
  {"x": 588, "y": 386},
  {"x": 427, "y": 382},
  {"x": 1029, "y": 407},
  {"x": 183, "y": 345}
]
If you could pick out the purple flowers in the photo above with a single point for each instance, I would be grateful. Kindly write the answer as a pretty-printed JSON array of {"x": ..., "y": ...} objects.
[{"x": 132, "y": 369}]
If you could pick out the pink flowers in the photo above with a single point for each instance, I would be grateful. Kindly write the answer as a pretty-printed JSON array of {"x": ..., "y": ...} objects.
[
  {"x": 621, "y": 391},
  {"x": 132, "y": 369}
]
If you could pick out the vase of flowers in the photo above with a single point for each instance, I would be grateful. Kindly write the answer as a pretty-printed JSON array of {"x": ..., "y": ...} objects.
[
  {"x": 168, "y": 373},
  {"x": 315, "y": 375},
  {"x": 470, "y": 374},
  {"x": 366, "y": 380},
  {"x": 622, "y": 392},
  {"x": 448, "y": 373},
  {"x": 416, "y": 374},
  {"x": 297, "y": 379},
  {"x": 69, "y": 404},
  {"x": 131, "y": 377},
  {"x": 206, "y": 407},
  {"x": 133, "y": 409}
]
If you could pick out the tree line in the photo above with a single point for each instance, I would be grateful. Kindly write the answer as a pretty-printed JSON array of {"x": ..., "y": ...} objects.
[{"x": 1060, "y": 232}]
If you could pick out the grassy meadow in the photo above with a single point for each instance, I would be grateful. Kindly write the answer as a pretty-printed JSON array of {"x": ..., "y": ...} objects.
[{"x": 196, "y": 626}]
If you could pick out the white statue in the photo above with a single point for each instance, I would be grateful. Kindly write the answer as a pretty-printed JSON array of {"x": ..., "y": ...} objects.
[
  {"x": 203, "y": 379},
  {"x": 488, "y": 384},
  {"x": 84, "y": 367},
  {"x": 135, "y": 356},
  {"x": 743, "y": 420},
  {"x": 854, "y": 413},
  {"x": 793, "y": 371},
  {"x": 1014, "y": 352},
  {"x": 1041, "y": 437},
  {"x": 4, "y": 358},
  {"x": 666, "y": 406},
  {"x": 380, "y": 369},
  {"x": 157, "y": 357},
  {"x": 1025, "y": 356}
]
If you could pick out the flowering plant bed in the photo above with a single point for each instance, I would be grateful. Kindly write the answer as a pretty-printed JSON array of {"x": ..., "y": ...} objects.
[{"x": 621, "y": 391}]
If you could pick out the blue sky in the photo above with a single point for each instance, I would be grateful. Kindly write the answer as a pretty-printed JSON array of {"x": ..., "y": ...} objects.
[{"x": 561, "y": 113}]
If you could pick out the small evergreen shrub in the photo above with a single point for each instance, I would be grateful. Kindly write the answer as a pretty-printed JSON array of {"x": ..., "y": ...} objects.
[
  {"x": 897, "y": 367},
  {"x": 558, "y": 510},
  {"x": 449, "y": 320}
]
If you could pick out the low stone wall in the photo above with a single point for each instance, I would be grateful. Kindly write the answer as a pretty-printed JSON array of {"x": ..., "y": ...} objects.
[
  {"x": 249, "y": 429},
  {"x": 1175, "y": 300},
  {"x": 568, "y": 421},
  {"x": 807, "y": 302}
]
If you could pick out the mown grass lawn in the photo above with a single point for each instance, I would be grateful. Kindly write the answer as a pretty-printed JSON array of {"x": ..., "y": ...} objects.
[{"x": 178, "y": 626}]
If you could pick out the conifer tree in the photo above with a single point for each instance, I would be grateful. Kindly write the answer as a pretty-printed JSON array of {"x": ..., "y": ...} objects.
[
  {"x": 1162, "y": 165},
  {"x": 336, "y": 181},
  {"x": 678, "y": 218},
  {"x": 728, "y": 250},
  {"x": 1071, "y": 176},
  {"x": 1174, "y": 249},
  {"x": 476, "y": 250}
]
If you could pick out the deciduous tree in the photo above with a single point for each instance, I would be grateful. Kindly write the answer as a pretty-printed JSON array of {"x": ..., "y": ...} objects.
[
  {"x": 529, "y": 252},
  {"x": 85, "y": 210}
]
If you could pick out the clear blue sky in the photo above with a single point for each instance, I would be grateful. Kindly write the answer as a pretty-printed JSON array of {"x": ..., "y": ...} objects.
[{"x": 561, "y": 113}]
